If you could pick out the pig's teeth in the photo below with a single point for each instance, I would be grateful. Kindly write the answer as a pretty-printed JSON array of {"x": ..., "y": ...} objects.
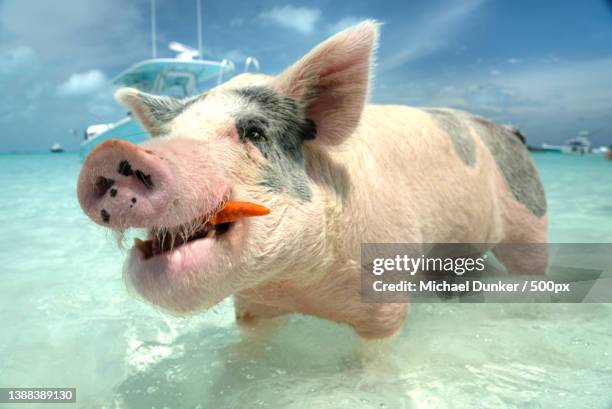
[
  {"x": 145, "y": 247},
  {"x": 163, "y": 240}
]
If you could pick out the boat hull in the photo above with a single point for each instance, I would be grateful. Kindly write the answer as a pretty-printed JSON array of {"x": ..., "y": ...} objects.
[{"x": 127, "y": 129}]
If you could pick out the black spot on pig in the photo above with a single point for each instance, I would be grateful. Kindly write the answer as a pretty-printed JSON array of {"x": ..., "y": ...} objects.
[
  {"x": 125, "y": 168},
  {"x": 145, "y": 179},
  {"x": 105, "y": 216},
  {"x": 458, "y": 132},
  {"x": 278, "y": 127},
  {"x": 113, "y": 192},
  {"x": 507, "y": 145},
  {"x": 517, "y": 133},
  {"x": 133, "y": 200},
  {"x": 102, "y": 185}
]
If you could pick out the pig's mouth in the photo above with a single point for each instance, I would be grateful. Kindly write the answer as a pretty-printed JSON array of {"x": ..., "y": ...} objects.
[
  {"x": 166, "y": 240},
  {"x": 164, "y": 267},
  {"x": 171, "y": 257}
]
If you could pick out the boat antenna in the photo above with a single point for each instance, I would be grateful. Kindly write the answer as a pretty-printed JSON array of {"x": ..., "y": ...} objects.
[
  {"x": 199, "y": 12},
  {"x": 153, "y": 31}
]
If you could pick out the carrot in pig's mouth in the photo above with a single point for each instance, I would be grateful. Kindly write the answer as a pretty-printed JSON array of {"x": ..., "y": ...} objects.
[
  {"x": 164, "y": 240},
  {"x": 233, "y": 211}
]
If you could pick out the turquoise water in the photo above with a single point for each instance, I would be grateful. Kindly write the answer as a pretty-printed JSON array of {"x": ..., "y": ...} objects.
[{"x": 68, "y": 322}]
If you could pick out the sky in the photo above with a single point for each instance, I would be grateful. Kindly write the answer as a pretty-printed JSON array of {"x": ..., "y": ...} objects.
[{"x": 543, "y": 66}]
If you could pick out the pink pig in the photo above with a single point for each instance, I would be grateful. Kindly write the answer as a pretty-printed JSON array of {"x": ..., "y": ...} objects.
[{"x": 335, "y": 172}]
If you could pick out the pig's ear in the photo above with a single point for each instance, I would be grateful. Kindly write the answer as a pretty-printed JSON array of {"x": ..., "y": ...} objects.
[
  {"x": 152, "y": 111},
  {"x": 332, "y": 81}
]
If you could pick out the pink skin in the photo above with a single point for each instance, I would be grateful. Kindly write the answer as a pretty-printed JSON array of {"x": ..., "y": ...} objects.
[
  {"x": 135, "y": 204},
  {"x": 155, "y": 205},
  {"x": 152, "y": 203},
  {"x": 376, "y": 174}
]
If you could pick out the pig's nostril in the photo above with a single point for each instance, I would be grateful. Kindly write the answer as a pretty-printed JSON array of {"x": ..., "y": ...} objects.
[
  {"x": 145, "y": 179},
  {"x": 102, "y": 185},
  {"x": 125, "y": 168},
  {"x": 105, "y": 216}
]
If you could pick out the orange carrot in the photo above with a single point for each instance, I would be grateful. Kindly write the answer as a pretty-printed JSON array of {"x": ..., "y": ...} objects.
[{"x": 237, "y": 210}]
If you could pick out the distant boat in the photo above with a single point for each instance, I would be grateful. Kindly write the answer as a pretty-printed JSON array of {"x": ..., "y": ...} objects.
[
  {"x": 56, "y": 148},
  {"x": 580, "y": 145}
]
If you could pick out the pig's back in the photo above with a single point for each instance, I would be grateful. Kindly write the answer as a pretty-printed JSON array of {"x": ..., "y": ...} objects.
[{"x": 435, "y": 175}]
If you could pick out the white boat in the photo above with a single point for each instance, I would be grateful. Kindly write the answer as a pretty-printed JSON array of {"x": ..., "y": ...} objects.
[
  {"x": 56, "y": 148},
  {"x": 579, "y": 145},
  {"x": 176, "y": 77},
  {"x": 182, "y": 76}
]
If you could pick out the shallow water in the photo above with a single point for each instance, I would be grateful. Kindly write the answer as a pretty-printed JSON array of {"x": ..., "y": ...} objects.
[{"x": 68, "y": 322}]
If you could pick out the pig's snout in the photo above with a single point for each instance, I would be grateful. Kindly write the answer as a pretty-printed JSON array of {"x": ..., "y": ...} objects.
[{"x": 122, "y": 185}]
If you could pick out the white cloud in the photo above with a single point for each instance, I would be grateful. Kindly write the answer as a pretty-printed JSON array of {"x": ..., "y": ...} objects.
[
  {"x": 576, "y": 86},
  {"x": 430, "y": 34},
  {"x": 513, "y": 60},
  {"x": 300, "y": 19},
  {"x": 84, "y": 83},
  {"x": 547, "y": 100},
  {"x": 344, "y": 23}
]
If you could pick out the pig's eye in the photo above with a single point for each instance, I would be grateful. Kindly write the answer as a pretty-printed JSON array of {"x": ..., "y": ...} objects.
[{"x": 255, "y": 134}]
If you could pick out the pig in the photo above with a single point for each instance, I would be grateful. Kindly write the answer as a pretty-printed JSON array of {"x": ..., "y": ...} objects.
[{"x": 335, "y": 172}]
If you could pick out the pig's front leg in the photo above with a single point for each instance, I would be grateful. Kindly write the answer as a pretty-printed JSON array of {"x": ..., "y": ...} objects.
[{"x": 376, "y": 354}]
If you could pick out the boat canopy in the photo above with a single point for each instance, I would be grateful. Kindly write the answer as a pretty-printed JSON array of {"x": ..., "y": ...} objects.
[{"x": 171, "y": 76}]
